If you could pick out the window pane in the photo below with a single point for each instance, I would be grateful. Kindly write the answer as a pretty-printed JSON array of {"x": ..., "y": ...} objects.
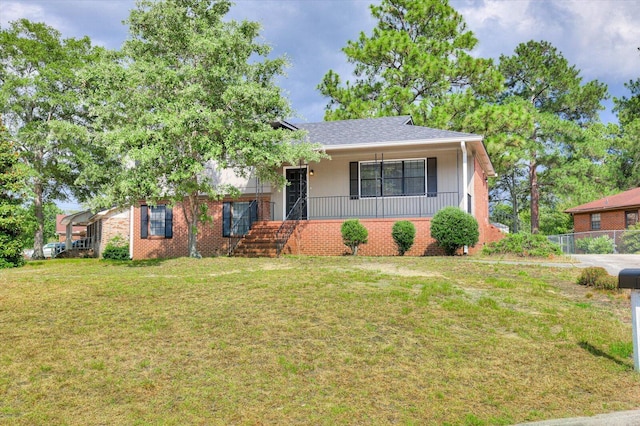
[
  {"x": 392, "y": 187},
  {"x": 156, "y": 220},
  {"x": 370, "y": 188},
  {"x": 370, "y": 180},
  {"x": 392, "y": 178},
  {"x": 240, "y": 218},
  {"x": 392, "y": 169},
  {"x": 414, "y": 186},
  {"x": 370, "y": 171},
  {"x": 414, "y": 168},
  {"x": 414, "y": 177}
]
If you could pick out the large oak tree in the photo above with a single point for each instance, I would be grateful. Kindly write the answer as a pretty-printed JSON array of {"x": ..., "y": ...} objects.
[
  {"x": 189, "y": 92},
  {"x": 41, "y": 105}
]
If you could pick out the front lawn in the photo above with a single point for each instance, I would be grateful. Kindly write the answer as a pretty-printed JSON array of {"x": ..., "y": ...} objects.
[{"x": 309, "y": 341}]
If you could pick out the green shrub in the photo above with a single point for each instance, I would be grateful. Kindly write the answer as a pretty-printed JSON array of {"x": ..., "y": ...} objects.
[
  {"x": 599, "y": 245},
  {"x": 523, "y": 245},
  {"x": 403, "y": 234},
  {"x": 10, "y": 252},
  {"x": 452, "y": 229},
  {"x": 353, "y": 234},
  {"x": 117, "y": 249},
  {"x": 608, "y": 282},
  {"x": 598, "y": 277},
  {"x": 630, "y": 240},
  {"x": 589, "y": 276}
]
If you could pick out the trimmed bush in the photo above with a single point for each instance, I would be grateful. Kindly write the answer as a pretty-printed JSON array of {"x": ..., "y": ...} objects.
[
  {"x": 452, "y": 229},
  {"x": 117, "y": 249},
  {"x": 595, "y": 276},
  {"x": 523, "y": 245},
  {"x": 353, "y": 234},
  {"x": 403, "y": 233},
  {"x": 599, "y": 245}
]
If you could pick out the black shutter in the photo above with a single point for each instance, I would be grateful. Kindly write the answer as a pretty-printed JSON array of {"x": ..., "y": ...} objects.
[
  {"x": 253, "y": 213},
  {"x": 353, "y": 180},
  {"x": 144, "y": 221},
  {"x": 432, "y": 177},
  {"x": 226, "y": 219},
  {"x": 168, "y": 222}
]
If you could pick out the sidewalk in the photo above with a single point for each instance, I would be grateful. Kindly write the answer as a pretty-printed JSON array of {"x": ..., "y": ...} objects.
[{"x": 622, "y": 418}]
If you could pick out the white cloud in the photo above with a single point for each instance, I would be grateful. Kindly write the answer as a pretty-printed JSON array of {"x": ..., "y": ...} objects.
[
  {"x": 599, "y": 37},
  {"x": 12, "y": 11}
]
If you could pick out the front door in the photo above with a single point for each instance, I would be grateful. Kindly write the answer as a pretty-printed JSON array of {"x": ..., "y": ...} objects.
[{"x": 297, "y": 179}]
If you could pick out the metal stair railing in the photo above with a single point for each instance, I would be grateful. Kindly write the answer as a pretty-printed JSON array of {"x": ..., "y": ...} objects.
[
  {"x": 290, "y": 223},
  {"x": 234, "y": 234}
]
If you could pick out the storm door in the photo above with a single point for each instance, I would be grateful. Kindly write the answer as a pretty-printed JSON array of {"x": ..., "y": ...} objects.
[{"x": 297, "y": 187}]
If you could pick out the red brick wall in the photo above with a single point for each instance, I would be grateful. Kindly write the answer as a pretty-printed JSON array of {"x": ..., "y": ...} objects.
[
  {"x": 609, "y": 221},
  {"x": 316, "y": 237},
  {"x": 323, "y": 238},
  {"x": 488, "y": 232},
  {"x": 114, "y": 226},
  {"x": 210, "y": 239}
]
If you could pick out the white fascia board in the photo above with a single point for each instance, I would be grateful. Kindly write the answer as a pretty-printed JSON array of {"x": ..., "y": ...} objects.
[{"x": 418, "y": 142}]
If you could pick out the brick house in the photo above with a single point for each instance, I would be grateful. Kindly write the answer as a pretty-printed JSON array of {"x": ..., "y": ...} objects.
[
  {"x": 612, "y": 213},
  {"x": 107, "y": 224},
  {"x": 92, "y": 231},
  {"x": 67, "y": 231},
  {"x": 381, "y": 170}
]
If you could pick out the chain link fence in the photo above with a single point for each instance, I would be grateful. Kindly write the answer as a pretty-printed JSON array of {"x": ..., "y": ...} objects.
[{"x": 599, "y": 242}]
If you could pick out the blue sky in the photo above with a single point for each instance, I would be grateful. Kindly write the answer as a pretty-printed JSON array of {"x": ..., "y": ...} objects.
[{"x": 599, "y": 37}]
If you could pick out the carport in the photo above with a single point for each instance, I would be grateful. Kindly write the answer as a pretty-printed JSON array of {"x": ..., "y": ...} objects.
[{"x": 75, "y": 219}]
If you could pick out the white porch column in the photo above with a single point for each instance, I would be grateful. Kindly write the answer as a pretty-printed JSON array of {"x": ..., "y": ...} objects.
[
  {"x": 131, "y": 233},
  {"x": 69, "y": 236},
  {"x": 465, "y": 177}
]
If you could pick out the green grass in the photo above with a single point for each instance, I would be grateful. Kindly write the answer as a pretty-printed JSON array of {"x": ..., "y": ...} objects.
[{"x": 309, "y": 341}]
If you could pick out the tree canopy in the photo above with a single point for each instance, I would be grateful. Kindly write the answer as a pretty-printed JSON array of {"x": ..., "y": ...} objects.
[
  {"x": 625, "y": 151},
  {"x": 189, "y": 94},
  {"x": 11, "y": 189},
  {"x": 40, "y": 100},
  {"x": 553, "y": 131},
  {"x": 416, "y": 61}
]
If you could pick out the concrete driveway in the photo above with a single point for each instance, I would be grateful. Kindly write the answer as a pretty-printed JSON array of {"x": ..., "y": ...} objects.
[
  {"x": 623, "y": 418},
  {"x": 613, "y": 263}
]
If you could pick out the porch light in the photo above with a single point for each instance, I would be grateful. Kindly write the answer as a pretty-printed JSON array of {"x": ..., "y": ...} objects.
[{"x": 311, "y": 172}]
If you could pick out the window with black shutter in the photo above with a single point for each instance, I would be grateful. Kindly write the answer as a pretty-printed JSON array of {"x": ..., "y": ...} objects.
[
  {"x": 156, "y": 221},
  {"x": 389, "y": 178},
  {"x": 237, "y": 218}
]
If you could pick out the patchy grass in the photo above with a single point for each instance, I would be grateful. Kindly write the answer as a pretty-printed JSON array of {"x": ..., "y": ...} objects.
[{"x": 308, "y": 341}]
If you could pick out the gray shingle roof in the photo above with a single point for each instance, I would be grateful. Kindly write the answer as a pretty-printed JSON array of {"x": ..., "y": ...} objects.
[{"x": 375, "y": 130}]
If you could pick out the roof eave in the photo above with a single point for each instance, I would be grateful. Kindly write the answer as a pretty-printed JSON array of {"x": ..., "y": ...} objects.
[
  {"x": 395, "y": 144},
  {"x": 602, "y": 209}
]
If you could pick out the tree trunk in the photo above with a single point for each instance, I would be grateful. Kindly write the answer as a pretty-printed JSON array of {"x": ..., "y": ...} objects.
[
  {"x": 38, "y": 238},
  {"x": 514, "y": 203},
  {"x": 535, "y": 198},
  {"x": 190, "y": 208}
]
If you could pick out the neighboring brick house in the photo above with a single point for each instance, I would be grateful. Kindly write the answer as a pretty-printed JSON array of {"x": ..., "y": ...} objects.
[
  {"x": 381, "y": 170},
  {"x": 92, "y": 232},
  {"x": 107, "y": 224},
  {"x": 75, "y": 232},
  {"x": 612, "y": 213}
]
